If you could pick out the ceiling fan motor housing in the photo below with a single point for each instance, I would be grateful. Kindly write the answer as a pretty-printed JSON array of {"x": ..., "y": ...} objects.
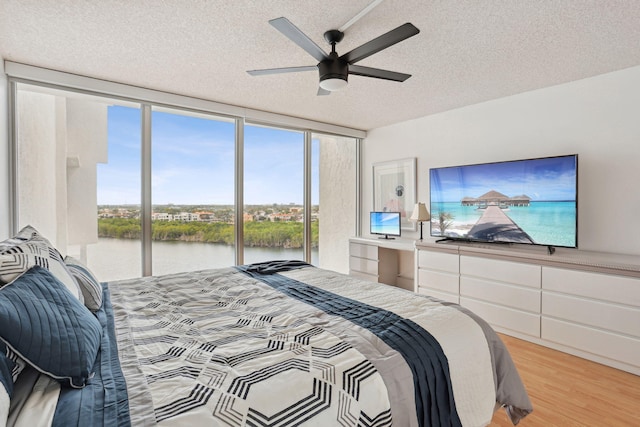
[{"x": 333, "y": 68}]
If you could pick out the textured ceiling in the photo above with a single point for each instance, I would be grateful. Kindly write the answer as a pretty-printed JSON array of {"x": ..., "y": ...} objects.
[{"x": 467, "y": 51}]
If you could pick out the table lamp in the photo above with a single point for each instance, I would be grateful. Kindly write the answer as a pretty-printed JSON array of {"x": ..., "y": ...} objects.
[{"x": 420, "y": 214}]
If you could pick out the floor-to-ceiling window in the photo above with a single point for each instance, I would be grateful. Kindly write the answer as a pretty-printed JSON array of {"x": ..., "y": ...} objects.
[
  {"x": 117, "y": 252},
  {"x": 192, "y": 169},
  {"x": 78, "y": 175},
  {"x": 81, "y": 180},
  {"x": 273, "y": 194}
]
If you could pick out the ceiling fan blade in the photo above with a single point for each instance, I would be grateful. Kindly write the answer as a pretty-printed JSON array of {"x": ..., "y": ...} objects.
[
  {"x": 323, "y": 91},
  {"x": 386, "y": 40},
  {"x": 298, "y": 37},
  {"x": 268, "y": 71},
  {"x": 359, "y": 70},
  {"x": 363, "y": 12}
]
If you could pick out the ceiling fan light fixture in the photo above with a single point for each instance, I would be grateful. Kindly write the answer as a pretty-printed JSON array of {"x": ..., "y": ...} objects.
[
  {"x": 334, "y": 73},
  {"x": 333, "y": 84}
]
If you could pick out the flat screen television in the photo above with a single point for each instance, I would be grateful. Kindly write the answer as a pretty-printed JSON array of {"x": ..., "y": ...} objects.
[
  {"x": 533, "y": 201},
  {"x": 385, "y": 224}
]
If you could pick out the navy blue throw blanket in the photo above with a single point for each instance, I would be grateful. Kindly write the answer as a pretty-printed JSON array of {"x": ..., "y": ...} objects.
[
  {"x": 435, "y": 405},
  {"x": 104, "y": 401}
]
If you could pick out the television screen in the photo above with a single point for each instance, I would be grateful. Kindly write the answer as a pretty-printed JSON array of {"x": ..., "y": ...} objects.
[
  {"x": 385, "y": 223},
  {"x": 531, "y": 201}
]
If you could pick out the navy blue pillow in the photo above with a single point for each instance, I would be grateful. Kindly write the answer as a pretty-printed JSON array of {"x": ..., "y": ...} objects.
[{"x": 49, "y": 328}]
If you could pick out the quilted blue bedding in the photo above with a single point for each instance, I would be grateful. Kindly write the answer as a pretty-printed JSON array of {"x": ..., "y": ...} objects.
[
  {"x": 104, "y": 401},
  {"x": 286, "y": 344}
]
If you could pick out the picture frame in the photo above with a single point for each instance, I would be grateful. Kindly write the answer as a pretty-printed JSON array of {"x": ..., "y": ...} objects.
[{"x": 394, "y": 189}]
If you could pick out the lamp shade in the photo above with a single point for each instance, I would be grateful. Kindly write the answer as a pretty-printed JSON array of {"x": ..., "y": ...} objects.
[{"x": 420, "y": 213}]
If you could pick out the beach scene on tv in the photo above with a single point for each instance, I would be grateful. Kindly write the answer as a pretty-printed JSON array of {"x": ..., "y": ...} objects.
[{"x": 525, "y": 201}]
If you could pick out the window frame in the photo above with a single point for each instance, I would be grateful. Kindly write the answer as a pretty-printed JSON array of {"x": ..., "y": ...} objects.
[{"x": 149, "y": 99}]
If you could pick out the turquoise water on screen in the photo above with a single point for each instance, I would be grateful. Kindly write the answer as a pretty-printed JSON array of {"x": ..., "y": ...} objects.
[{"x": 547, "y": 223}]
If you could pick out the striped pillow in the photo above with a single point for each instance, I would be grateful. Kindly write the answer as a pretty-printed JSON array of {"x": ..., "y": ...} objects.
[
  {"x": 27, "y": 249},
  {"x": 89, "y": 285}
]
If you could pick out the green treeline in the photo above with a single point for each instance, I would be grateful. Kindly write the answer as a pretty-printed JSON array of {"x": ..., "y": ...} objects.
[{"x": 257, "y": 234}]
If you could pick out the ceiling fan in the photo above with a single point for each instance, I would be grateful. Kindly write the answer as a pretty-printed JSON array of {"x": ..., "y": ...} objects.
[{"x": 334, "y": 69}]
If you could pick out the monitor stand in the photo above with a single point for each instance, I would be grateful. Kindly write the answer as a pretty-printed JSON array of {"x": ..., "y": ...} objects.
[{"x": 386, "y": 237}]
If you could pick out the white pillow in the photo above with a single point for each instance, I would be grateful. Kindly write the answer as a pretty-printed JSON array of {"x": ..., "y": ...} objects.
[{"x": 86, "y": 280}]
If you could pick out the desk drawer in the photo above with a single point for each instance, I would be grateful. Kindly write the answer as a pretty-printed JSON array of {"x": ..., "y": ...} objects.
[
  {"x": 363, "y": 251},
  {"x": 363, "y": 265}
]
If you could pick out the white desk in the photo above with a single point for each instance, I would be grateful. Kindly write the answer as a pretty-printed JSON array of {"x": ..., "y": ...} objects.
[{"x": 389, "y": 261}]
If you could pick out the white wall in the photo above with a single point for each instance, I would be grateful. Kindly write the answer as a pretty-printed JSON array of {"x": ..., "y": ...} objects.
[
  {"x": 4, "y": 157},
  {"x": 598, "y": 118}
]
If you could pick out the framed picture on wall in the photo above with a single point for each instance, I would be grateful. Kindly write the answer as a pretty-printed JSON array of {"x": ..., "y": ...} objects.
[{"x": 394, "y": 189}]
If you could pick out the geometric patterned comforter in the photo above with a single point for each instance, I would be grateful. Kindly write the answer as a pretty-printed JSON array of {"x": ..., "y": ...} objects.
[
  {"x": 229, "y": 347},
  {"x": 298, "y": 346},
  {"x": 215, "y": 351}
]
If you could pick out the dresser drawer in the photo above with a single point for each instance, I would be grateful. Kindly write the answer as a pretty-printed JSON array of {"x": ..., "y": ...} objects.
[
  {"x": 518, "y": 297},
  {"x": 445, "y": 282},
  {"x": 603, "y": 315},
  {"x": 501, "y": 271},
  {"x": 439, "y": 261},
  {"x": 606, "y": 287},
  {"x": 503, "y": 317},
  {"x": 595, "y": 341}
]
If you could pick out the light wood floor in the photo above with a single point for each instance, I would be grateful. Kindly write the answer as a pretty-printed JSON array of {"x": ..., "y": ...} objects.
[{"x": 569, "y": 391}]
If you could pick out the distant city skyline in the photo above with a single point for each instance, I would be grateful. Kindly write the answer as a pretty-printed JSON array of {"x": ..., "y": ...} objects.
[{"x": 193, "y": 162}]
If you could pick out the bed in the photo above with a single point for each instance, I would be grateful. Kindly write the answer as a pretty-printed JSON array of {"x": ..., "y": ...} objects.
[{"x": 281, "y": 343}]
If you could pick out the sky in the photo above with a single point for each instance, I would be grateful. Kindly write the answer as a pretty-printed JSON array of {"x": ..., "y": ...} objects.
[
  {"x": 546, "y": 179},
  {"x": 193, "y": 161}
]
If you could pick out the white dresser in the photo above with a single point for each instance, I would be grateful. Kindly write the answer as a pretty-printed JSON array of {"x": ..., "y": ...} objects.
[
  {"x": 583, "y": 303},
  {"x": 504, "y": 293},
  {"x": 438, "y": 274}
]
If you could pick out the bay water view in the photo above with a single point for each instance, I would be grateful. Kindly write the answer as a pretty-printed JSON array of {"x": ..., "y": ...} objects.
[
  {"x": 175, "y": 256},
  {"x": 196, "y": 237}
]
